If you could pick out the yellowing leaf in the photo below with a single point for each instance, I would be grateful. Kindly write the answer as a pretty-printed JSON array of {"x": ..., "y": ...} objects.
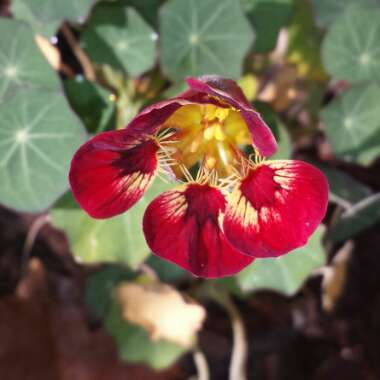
[{"x": 162, "y": 311}]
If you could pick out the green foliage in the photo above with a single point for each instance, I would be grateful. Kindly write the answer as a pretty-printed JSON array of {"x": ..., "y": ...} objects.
[
  {"x": 202, "y": 37},
  {"x": 287, "y": 273},
  {"x": 118, "y": 36},
  {"x": 327, "y": 11},
  {"x": 350, "y": 49},
  {"x": 166, "y": 271},
  {"x": 268, "y": 17},
  {"x": 304, "y": 43},
  {"x": 352, "y": 124},
  {"x": 21, "y": 62},
  {"x": 45, "y": 16},
  {"x": 344, "y": 187},
  {"x": 119, "y": 239},
  {"x": 357, "y": 218},
  {"x": 284, "y": 148},
  {"x": 38, "y": 136},
  {"x": 92, "y": 103},
  {"x": 99, "y": 288},
  {"x": 134, "y": 344}
]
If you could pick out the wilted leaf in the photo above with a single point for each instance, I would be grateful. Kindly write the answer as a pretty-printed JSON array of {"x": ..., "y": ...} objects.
[
  {"x": 119, "y": 239},
  {"x": 287, "y": 273},
  {"x": 135, "y": 346},
  {"x": 203, "y": 37},
  {"x": 118, "y": 36},
  {"x": 350, "y": 50},
  {"x": 38, "y": 136},
  {"x": 335, "y": 276},
  {"x": 352, "y": 124},
  {"x": 162, "y": 311},
  {"x": 21, "y": 61},
  {"x": 356, "y": 219}
]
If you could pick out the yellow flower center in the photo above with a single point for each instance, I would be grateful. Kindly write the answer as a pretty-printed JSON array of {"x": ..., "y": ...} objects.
[{"x": 208, "y": 134}]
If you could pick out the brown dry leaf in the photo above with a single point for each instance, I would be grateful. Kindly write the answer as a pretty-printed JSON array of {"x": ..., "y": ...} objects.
[
  {"x": 50, "y": 52},
  {"x": 334, "y": 278},
  {"x": 162, "y": 311},
  {"x": 282, "y": 91}
]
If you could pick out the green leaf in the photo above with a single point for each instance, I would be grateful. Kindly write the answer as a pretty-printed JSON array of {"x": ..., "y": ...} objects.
[
  {"x": 45, "y": 16},
  {"x": 119, "y": 239},
  {"x": 166, "y": 271},
  {"x": 287, "y": 273},
  {"x": 268, "y": 17},
  {"x": 343, "y": 186},
  {"x": 147, "y": 8},
  {"x": 305, "y": 42},
  {"x": 38, "y": 136},
  {"x": 203, "y": 37},
  {"x": 118, "y": 36},
  {"x": 284, "y": 149},
  {"x": 327, "y": 11},
  {"x": 352, "y": 124},
  {"x": 21, "y": 62},
  {"x": 92, "y": 103},
  {"x": 134, "y": 345},
  {"x": 99, "y": 288},
  {"x": 361, "y": 216},
  {"x": 350, "y": 50}
]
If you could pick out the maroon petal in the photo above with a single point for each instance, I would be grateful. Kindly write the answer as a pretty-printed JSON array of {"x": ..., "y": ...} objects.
[
  {"x": 230, "y": 92},
  {"x": 276, "y": 208},
  {"x": 182, "y": 226},
  {"x": 110, "y": 172}
]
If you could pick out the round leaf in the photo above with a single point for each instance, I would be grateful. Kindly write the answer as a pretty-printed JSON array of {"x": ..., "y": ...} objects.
[
  {"x": 118, "y": 36},
  {"x": 350, "y": 50},
  {"x": 38, "y": 136},
  {"x": 203, "y": 37},
  {"x": 21, "y": 62},
  {"x": 45, "y": 16},
  {"x": 119, "y": 239},
  {"x": 352, "y": 124},
  {"x": 326, "y": 11},
  {"x": 287, "y": 273}
]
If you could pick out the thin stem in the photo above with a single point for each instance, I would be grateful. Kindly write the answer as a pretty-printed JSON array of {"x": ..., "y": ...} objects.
[
  {"x": 31, "y": 236},
  {"x": 201, "y": 365},
  {"x": 237, "y": 370},
  {"x": 82, "y": 57}
]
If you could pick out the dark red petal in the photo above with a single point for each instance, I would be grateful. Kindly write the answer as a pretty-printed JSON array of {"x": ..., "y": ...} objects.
[
  {"x": 110, "y": 172},
  {"x": 275, "y": 208},
  {"x": 182, "y": 226},
  {"x": 149, "y": 120},
  {"x": 230, "y": 92}
]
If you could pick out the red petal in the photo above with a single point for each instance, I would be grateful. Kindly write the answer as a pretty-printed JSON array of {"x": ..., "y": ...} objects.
[
  {"x": 229, "y": 91},
  {"x": 182, "y": 226},
  {"x": 110, "y": 172},
  {"x": 276, "y": 207}
]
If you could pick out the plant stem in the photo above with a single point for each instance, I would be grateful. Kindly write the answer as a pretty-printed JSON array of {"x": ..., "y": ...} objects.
[
  {"x": 31, "y": 236},
  {"x": 201, "y": 365},
  {"x": 82, "y": 57}
]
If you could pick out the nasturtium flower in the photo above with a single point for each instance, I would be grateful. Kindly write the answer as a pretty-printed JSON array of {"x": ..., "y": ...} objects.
[{"x": 228, "y": 205}]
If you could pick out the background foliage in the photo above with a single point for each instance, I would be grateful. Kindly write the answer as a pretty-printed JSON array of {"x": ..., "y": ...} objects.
[{"x": 71, "y": 69}]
